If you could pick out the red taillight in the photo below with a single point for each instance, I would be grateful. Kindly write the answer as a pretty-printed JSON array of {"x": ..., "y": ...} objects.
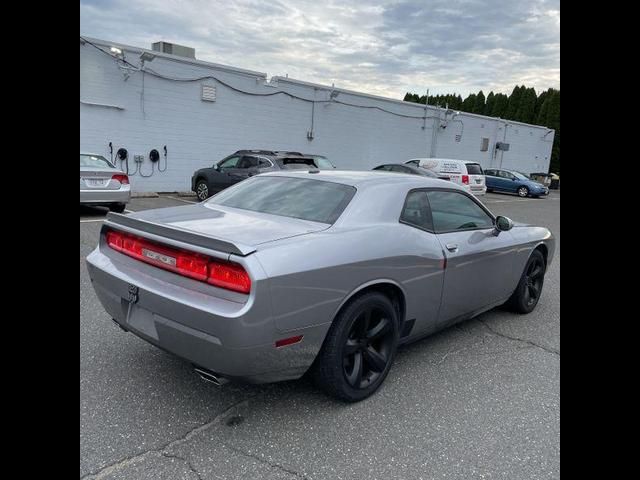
[
  {"x": 123, "y": 179},
  {"x": 465, "y": 179},
  {"x": 228, "y": 275}
]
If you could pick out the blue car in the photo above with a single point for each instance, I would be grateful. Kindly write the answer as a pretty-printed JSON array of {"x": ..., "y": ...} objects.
[{"x": 510, "y": 181}]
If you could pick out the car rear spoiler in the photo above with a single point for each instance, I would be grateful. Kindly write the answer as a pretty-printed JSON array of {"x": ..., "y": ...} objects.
[{"x": 133, "y": 225}]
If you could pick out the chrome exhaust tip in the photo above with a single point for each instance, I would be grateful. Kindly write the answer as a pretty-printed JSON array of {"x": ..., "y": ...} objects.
[{"x": 209, "y": 376}]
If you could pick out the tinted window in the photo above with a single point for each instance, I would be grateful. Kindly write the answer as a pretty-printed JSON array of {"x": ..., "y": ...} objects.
[
  {"x": 397, "y": 168},
  {"x": 263, "y": 163},
  {"x": 323, "y": 163},
  {"x": 383, "y": 167},
  {"x": 474, "y": 169},
  {"x": 229, "y": 162},
  {"x": 413, "y": 162},
  {"x": 94, "y": 161},
  {"x": 416, "y": 210},
  {"x": 455, "y": 211},
  {"x": 247, "y": 162},
  {"x": 313, "y": 200},
  {"x": 296, "y": 163},
  {"x": 504, "y": 174},
  {"x": 490, "y": 172}
]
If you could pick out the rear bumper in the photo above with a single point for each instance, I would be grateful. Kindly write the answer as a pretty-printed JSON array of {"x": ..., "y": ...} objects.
[
  {"x": 98, "y": 197},
  {"x": 477, "y": 190},
  {"x": 234, "y": 340}
]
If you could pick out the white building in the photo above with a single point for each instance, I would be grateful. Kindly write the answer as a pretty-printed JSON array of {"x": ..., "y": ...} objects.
[{"x": 203, "y": 112}]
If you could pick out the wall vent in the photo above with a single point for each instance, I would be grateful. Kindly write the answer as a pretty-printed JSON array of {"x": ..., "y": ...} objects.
[
  {"x": 208, "y": 93},
  {"x": 484, "y": 145}
]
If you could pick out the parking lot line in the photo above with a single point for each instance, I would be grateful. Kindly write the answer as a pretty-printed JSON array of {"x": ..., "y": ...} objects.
[{"x": 180, "y": 199}]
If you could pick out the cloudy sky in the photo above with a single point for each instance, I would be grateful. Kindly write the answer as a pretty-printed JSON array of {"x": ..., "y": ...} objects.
[{"x": 385, "y": 47}]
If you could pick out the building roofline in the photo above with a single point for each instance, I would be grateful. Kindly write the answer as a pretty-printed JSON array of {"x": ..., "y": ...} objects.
[
  {"x": 279, "y": 79},
  {"x": 177, "y": 58}
]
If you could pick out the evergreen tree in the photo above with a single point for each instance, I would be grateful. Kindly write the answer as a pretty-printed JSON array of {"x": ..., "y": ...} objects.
[
  {"x": 478, "y": 106},
  {"x": 488, "y": 108},
  {"x": 500, "y": 105},
  {"x": 469, "y": 103},
  {"x": 527, "y": 106},
  {"x": 514, "y": 103}
]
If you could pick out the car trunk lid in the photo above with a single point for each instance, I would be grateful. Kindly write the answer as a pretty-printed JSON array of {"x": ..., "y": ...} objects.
[
  {"x": 98, "y": 178},
  {"x": 215, "y": 227}
]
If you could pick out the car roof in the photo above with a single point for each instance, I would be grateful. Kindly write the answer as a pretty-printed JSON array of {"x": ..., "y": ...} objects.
[
  {"x": 365, "y": 178},
  {"x": 446, "y": 159}
]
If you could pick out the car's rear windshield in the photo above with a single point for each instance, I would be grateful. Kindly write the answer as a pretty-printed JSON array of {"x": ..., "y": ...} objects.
[
  {"x": 313, "y": 200},
  {"x": 94, "y": 161},
  {"x": 474, "y": 169},
  {"x": 296, "y": 163}
]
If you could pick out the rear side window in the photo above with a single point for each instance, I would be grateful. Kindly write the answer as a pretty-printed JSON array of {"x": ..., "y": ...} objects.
[
  {"x": 413, "y": 162},
  {"x": 491, "y": 173},
  {"x": 451, "y": 211},
  {"x": 474, "y": 169},
  {"x": 416, "y": 210},
  {"x": 313, "y": 200}
]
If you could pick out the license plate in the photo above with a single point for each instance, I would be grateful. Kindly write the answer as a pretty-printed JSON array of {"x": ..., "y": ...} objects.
[
  {"x": 95, "y": 182},
  {"x": 478, "y": 180}
]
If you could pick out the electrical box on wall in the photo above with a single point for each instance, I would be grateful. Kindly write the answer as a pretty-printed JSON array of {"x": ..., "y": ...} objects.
[{"x": 502, "y": 146}]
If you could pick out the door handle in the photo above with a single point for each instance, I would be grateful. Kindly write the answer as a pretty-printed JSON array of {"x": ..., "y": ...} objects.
[{"x": 452, "y": 247}]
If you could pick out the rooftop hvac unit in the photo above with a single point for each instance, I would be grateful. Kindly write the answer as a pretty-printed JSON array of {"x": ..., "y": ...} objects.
[{"x": 173, "y": 49}]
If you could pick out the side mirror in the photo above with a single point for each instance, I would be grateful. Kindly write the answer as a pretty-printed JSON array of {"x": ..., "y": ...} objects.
[{"x": 503, "y": 224}]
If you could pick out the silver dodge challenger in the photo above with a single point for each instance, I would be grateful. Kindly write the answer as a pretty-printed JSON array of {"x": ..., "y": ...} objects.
[{"x": 319, "y": 271}]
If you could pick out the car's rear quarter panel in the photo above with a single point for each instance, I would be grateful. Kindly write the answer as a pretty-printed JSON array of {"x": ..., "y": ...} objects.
[{"x": 311, "y": 277}]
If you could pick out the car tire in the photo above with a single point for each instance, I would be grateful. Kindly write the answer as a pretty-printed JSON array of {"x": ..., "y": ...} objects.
[
  {"x": 526, "y": 295},
  {"x": 202, "y": 190},
  {"x": 523, "y": 192},
  {"x": 117, "y": 207},
  {"x": 359, "y": 349}
]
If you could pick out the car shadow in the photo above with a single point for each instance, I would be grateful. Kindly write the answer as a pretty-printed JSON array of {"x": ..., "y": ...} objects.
[{"x": 88, "y": 212}]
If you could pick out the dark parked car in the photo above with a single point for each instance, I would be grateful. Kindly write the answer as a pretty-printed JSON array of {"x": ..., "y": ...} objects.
[
  {"x": 404, "y": 168},
  {"x": 511, "y": 181},
  {"x": 244, "y": 164}
]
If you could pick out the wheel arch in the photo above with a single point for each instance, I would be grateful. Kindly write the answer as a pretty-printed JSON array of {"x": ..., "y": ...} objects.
[
  {"x": 392, "y": 289},
  {"x": 542, "y": 247}
]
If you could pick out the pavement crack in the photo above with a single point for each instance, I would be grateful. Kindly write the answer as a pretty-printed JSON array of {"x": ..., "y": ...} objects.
[
  {"x": 266, "y": 462},
  {"x": 518, "y": 339},
  {"x": 162, "y": 449},
  {"x": 186, "y": 460}
]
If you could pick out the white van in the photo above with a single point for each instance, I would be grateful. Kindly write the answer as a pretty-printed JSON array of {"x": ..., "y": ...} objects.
[{"x": 463, "y": 172}]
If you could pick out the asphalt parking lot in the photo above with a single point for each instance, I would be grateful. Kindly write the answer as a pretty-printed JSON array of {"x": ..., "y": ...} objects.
[{"x": 479, "y": 400}]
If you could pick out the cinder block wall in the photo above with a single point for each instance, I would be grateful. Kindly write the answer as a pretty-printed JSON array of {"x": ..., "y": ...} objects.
[{"x": 141, "y": 112}]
